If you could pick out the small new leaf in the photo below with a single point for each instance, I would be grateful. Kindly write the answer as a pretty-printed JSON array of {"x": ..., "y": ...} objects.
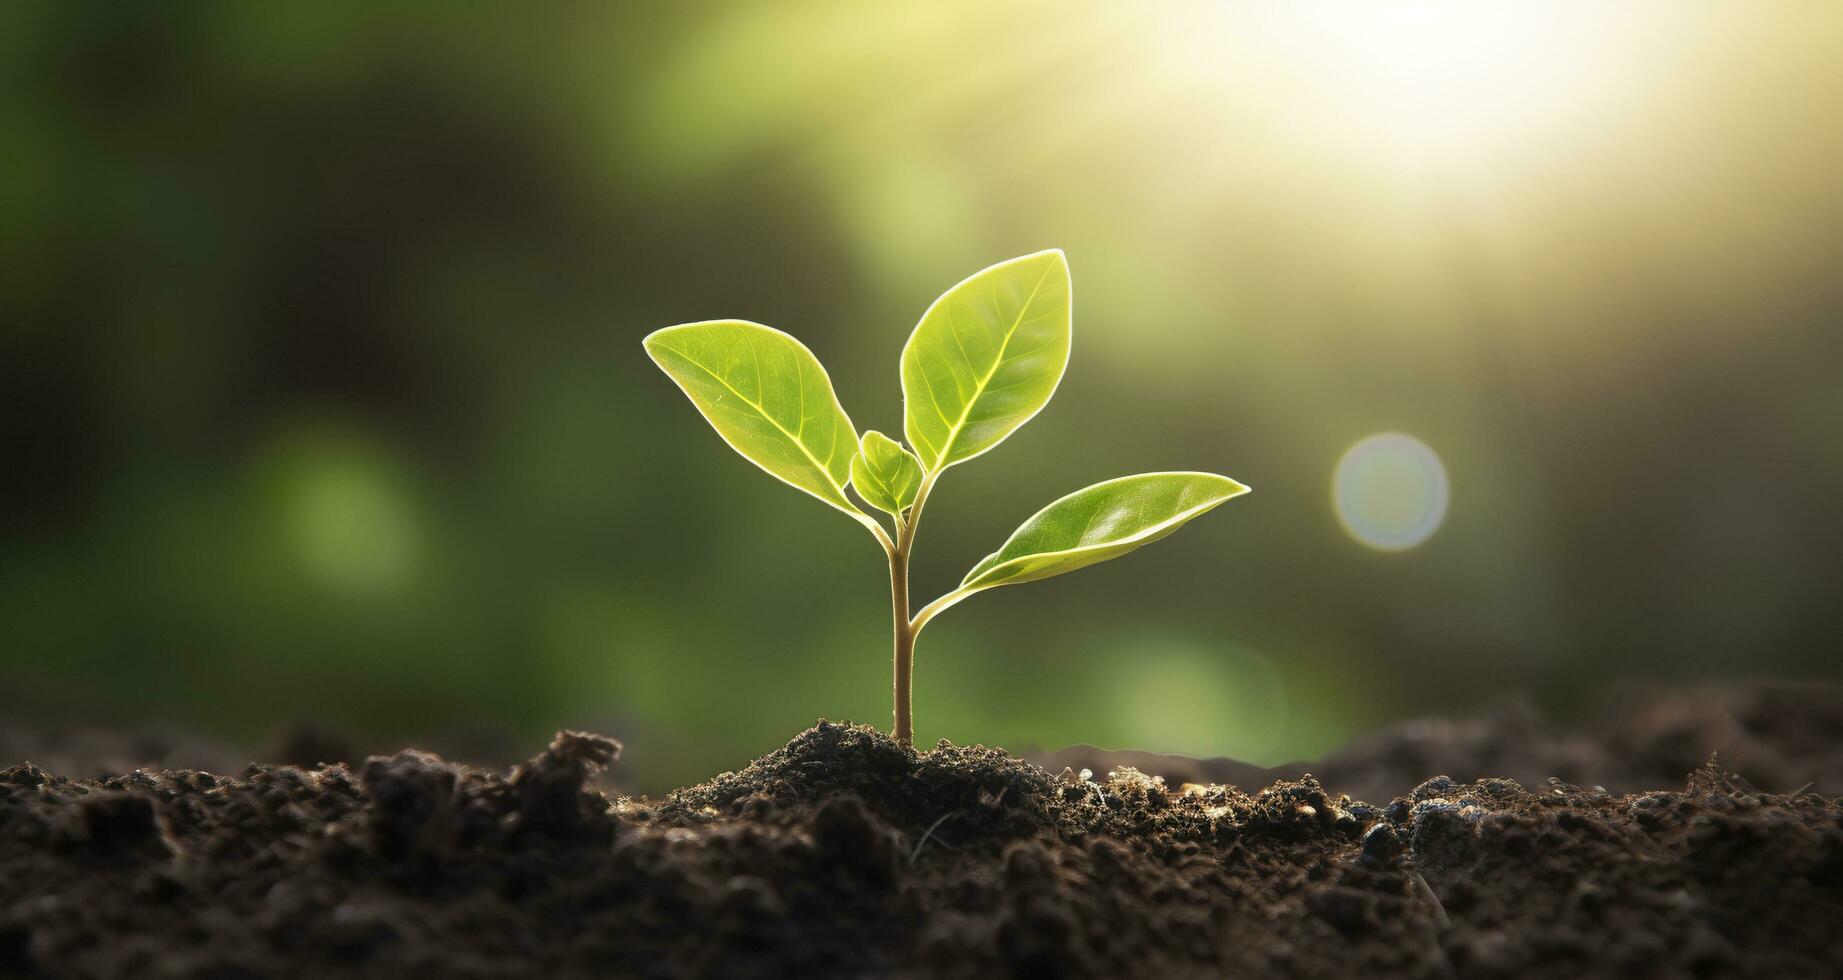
[
  {"x": 1103, "y": 521},
  {"x": 985, "y": 358},
  {"x": 885, "y": 474},
  {"x": 768, "y": 397}
]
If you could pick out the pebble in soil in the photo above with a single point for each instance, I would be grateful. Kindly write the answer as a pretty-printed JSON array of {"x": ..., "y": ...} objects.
[{"x": 845, "y": 853}]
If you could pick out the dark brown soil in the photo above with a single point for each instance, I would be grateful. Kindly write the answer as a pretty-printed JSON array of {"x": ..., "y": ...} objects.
[{"x": 845, "y": 854}]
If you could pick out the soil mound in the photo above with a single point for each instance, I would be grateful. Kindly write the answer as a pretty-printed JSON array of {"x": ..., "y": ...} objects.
[{"x": 843, "y": 853}]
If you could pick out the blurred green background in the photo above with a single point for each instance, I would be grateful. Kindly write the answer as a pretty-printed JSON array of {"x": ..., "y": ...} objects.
[{"x": 325, "y": 399}]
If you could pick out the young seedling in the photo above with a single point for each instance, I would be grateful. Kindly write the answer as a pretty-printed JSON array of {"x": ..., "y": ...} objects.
[{"x": 984, "y": 359}]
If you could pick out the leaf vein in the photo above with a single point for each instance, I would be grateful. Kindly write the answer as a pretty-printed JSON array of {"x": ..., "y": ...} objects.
[
  {"x": 953, "y": 431},
  {"x": 746, "y": 400}
]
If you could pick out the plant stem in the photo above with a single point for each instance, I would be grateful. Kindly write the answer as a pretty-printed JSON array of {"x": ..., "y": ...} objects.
[
  {"x": 899, "y": 551},
  {"x": 905, "y": 646}
]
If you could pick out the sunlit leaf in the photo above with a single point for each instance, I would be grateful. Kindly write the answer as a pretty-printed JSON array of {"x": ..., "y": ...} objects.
[
  {"x": 985, "y": 358},
  {"x": 1103, "y": 521},
  {"x": 885, "y": 474},
  {"x": 768, "y": 397}
]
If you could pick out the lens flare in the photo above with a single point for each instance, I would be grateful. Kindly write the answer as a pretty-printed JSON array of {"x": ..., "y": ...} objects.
[{"x": 1390, "y": 491}]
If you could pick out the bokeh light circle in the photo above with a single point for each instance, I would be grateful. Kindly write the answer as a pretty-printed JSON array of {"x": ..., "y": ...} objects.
[
  {"x": 1202, "y": 699},
  {"x": 1390, "y": 491}
]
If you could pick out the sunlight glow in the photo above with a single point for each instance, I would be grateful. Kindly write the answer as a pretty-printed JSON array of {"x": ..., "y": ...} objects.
[
  {"x": 1443, "y": 72},
  {"x": 1437, "y": 86}
]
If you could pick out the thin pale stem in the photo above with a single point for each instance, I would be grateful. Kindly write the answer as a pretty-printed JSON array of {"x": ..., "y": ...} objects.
[
  {"x": 915, "y": 509},
  {"x": 935, "y": 608},
  {"x": 883, "y": 537}
]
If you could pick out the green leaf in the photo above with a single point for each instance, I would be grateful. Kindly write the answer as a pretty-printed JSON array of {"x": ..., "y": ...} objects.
[
  {"x": 1103, "y": 521},
  {"x": 885, "y": 474},
  {"x": 985, "y": 358},
  {"x": 768, "y": 397}
]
